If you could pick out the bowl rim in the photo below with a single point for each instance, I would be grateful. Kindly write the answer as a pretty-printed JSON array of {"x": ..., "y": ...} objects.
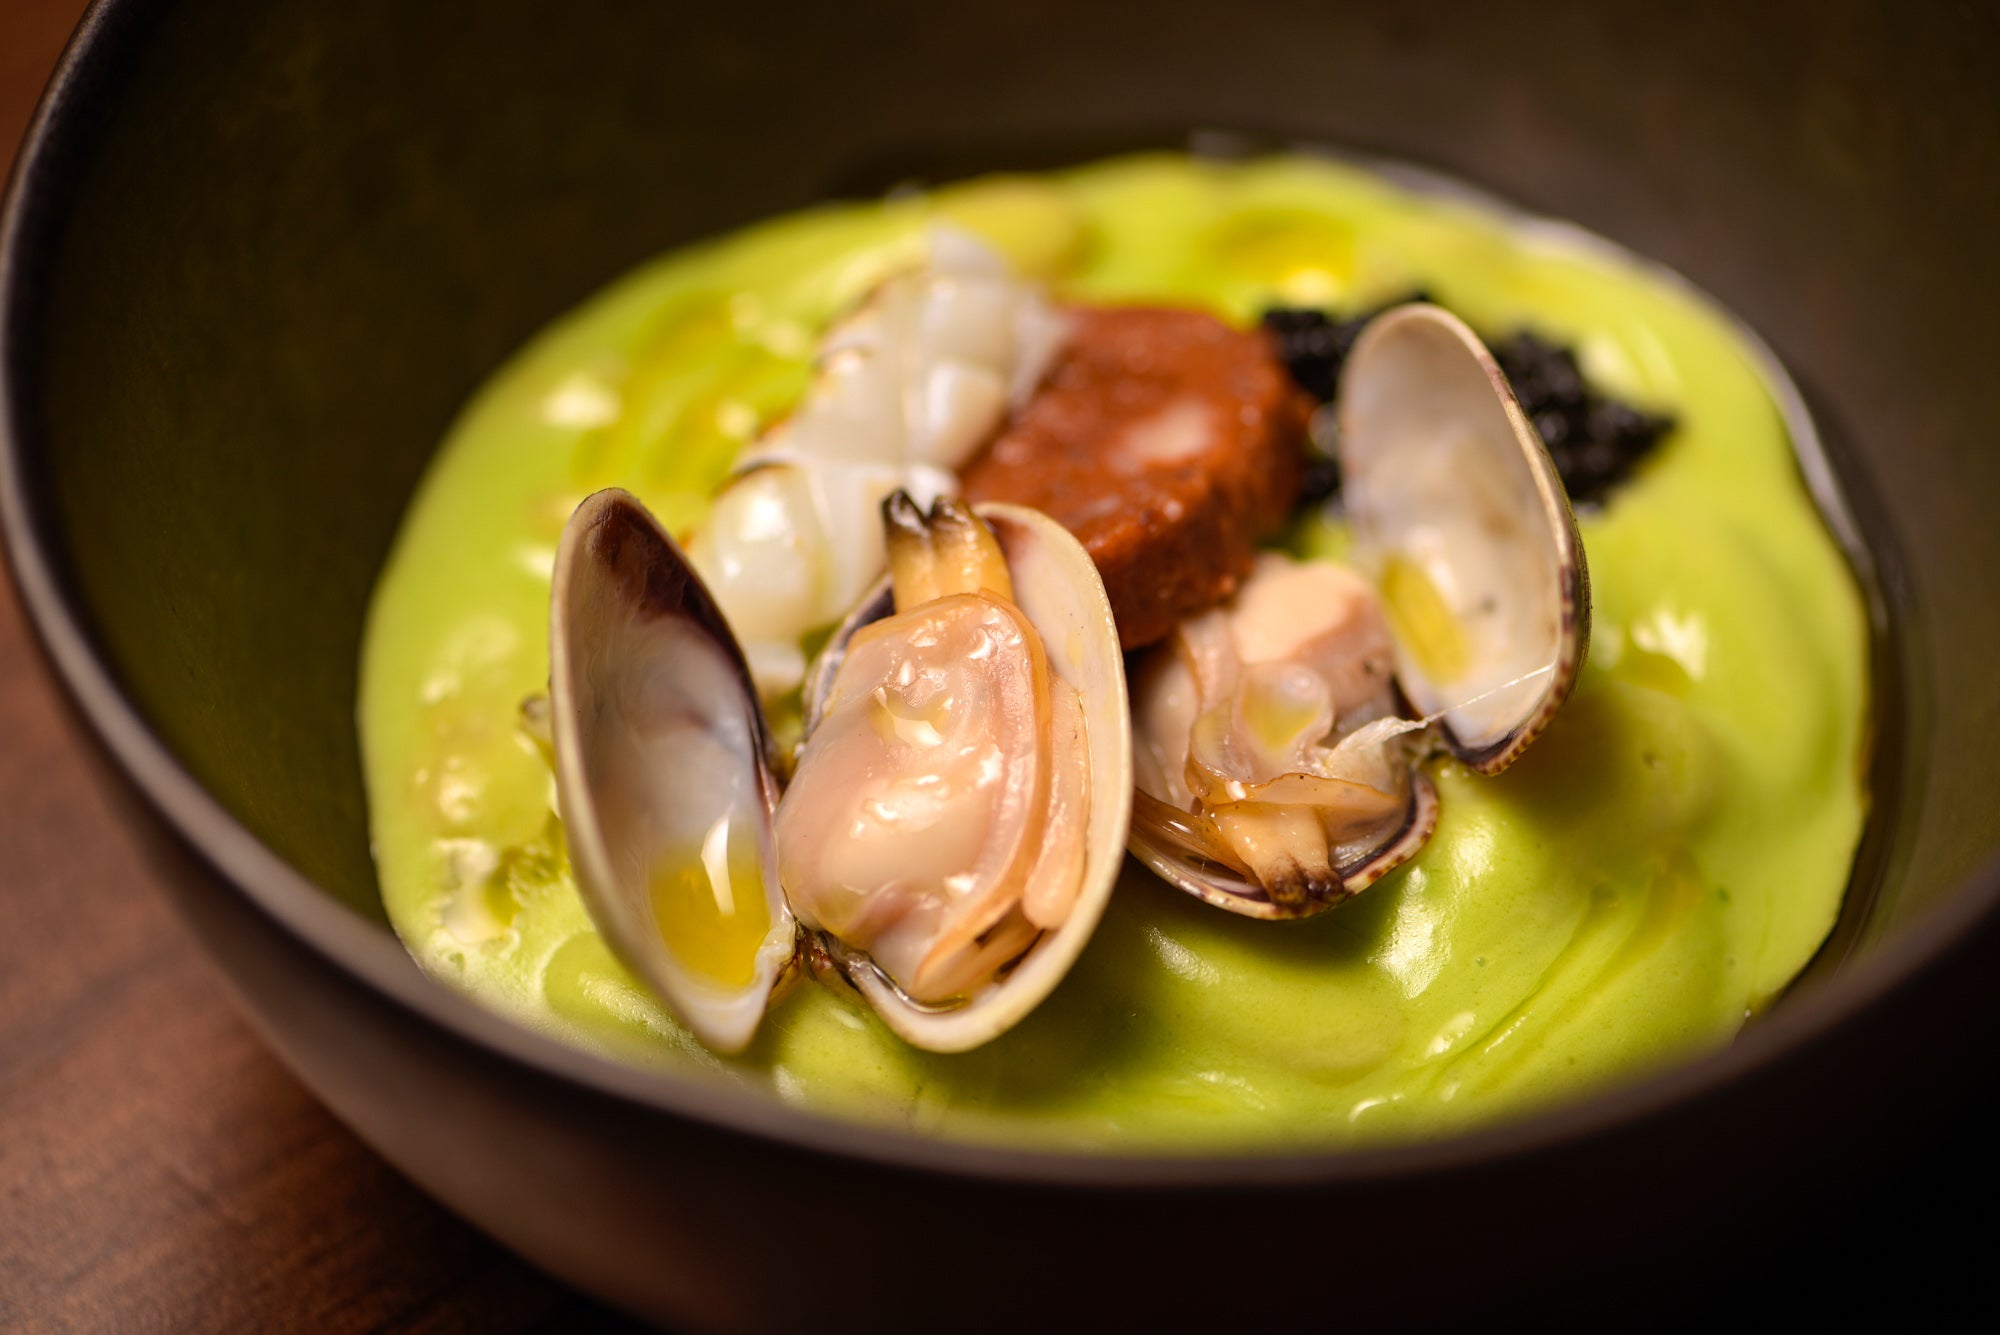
[{"x": 40, "y": 191}]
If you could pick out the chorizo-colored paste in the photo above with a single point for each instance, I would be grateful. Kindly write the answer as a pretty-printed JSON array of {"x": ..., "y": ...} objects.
[{"x": 1170, "y": 444}]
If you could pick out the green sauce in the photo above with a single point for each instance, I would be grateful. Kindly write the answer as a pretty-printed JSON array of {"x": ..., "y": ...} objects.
[{"x": 1657, "y": 868}]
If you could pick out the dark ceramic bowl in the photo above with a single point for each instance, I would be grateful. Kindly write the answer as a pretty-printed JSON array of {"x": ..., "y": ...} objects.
[{"x": 258, "y": 251}]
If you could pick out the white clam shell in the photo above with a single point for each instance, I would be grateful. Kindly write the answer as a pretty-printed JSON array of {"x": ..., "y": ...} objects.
[
  {"x": 1442, "y": 470},
  {"x": 659, "y": 745}
]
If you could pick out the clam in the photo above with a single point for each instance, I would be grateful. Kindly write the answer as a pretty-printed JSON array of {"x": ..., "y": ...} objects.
[
  {"x": 1276, "y": 776},
  {"x": 956, "y": 816},
  {"x": 1462, "y": 523}
]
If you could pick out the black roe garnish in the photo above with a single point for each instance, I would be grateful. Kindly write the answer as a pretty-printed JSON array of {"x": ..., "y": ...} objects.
[
  {"x": 1595, "y": 440},
  {"x": 1322, "y": 477},
  {"x": 1314, "y": 345}
]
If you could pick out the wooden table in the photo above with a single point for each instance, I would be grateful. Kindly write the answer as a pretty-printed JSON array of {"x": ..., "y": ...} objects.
[{"x": 158, "y": 1169}]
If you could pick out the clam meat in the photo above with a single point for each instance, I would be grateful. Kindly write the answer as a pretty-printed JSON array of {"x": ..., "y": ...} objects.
[
  {"x": 1277, "y": 772},
  {"x": 956, "y": 816}
]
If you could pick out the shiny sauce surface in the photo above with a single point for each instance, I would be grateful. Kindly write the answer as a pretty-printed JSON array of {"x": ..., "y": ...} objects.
[{"x": 1660, "y": 865}]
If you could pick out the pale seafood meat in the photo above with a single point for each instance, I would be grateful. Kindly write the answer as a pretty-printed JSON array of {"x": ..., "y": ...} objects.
[
  {"x": 955, "y": 819},
  {"x": 1007, "y": 934},
  {"x": 906, "y": 389},
  {"x": 1267, "y": 745},
  {"x": 936, "y": 822}
]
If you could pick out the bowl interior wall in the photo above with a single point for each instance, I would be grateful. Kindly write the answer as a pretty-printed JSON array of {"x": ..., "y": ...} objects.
[{"x": 300, "y": 235}]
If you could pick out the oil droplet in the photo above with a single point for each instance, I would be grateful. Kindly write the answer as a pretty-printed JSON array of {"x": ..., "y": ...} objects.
[
  {"x": 1424, "y": 622},
  {"x": 709, "y": 905},
  {"x": 1679, "y": 636},
  {"x": 1307, "y": 256},
  {"x": 581, "y": 400}
]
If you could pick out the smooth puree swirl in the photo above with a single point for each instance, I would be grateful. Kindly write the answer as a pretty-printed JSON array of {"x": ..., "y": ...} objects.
[{"x": 1660, "y": 865}]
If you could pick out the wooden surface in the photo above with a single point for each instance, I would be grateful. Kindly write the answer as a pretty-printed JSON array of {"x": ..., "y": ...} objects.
[{"x": 158, "y": 1169}]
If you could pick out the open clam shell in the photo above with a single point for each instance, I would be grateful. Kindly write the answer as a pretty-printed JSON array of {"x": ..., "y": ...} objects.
[
  {"x": 667, "y": 789},
  {"x": 1461, "y": 521},
  {"x": 1058, "y": 590},
  {"x": 662, "y": 773},
  {"x": 1462, "y": 527}
]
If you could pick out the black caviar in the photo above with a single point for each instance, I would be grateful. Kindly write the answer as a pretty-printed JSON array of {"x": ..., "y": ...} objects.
[
  {"x": 1314, "y": 345},
  {"x": 1595, "y": 440}
]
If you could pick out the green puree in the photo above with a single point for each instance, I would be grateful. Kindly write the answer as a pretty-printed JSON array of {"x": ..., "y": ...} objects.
[{"x": 1658, "y": 867}]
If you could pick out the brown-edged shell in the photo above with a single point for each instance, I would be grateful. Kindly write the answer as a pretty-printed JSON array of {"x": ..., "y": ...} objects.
[
  {"x": 662, "y": 773},
  {"x": 1462, "y": 523}
]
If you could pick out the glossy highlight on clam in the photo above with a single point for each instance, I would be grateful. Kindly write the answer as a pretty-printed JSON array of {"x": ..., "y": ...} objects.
[
  {"x": 1276, "y": 775},
  {"x": 955, "y": 818}
]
